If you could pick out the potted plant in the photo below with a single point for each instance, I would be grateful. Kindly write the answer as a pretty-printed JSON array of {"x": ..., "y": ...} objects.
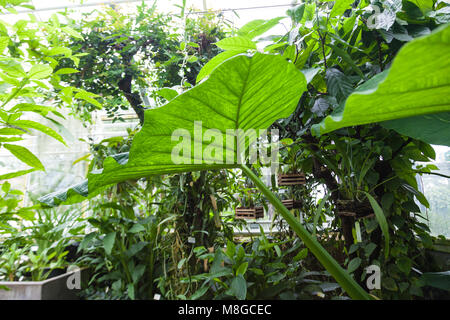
[
  {"x": 32, "y": 274},
  {"x": 289, "y": 198},
  {"x": 250, "y": 205},
  {"x": 33, "y": 255}
]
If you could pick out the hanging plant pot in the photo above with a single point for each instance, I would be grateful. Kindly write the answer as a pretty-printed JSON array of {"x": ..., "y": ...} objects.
[
  {"x": 291, "y": 179},
  {"x": 351, "y": 208},
  {"x": 249, "y": 213},
  {"x": 292, "y": 204}
]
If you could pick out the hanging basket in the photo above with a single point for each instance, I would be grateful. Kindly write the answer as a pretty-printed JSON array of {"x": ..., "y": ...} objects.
[
  {"x": 291, "y": 179},
  {"x": 292, "y": 204},
  {"x": 351, "y": 208},
  {"x": 249, "y": 213}
]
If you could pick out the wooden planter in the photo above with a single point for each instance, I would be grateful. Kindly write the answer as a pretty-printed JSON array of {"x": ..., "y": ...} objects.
[
  {"x": 351, "y": 208},
  {"x": 55, "y": 288},
  {"x": 291, "y": 179},
  {"x": 249, "y": 213},
  {"x": 292, "y": 204}
]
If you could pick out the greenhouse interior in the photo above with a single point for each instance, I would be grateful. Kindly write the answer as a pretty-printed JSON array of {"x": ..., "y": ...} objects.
[{"x": 225, "y": 150}]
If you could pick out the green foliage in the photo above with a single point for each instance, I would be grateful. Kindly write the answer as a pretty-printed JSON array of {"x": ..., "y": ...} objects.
[
  {"x": 122, "y": 253},
  {"x": 261, "y": 269},
  {"x": 156, "y": 228},
  {"x": 123, "y": 55},
  {"x": 238, "y": 44},
  {"x": 30, "y": 52},
  {"x": 37, "y": 248},
  {"x": 395, "y": 94}
]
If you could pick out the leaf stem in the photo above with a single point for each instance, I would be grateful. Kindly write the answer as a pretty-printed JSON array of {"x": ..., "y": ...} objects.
[{"x": 342, "y": 277}]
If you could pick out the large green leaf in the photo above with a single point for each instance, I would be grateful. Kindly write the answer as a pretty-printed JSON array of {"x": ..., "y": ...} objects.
[
  {"x": 431, "y": 128},
  {"x": 418, "y": 83},
  {"x": 108, "y": 242},
  {"x": 242, "y": 93}
]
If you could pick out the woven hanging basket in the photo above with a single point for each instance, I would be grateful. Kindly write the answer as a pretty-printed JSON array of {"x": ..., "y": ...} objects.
[{"x": 291, "y": 179}]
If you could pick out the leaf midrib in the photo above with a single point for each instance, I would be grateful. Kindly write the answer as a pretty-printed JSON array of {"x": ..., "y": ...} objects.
[{"x": 236, "y": 126}]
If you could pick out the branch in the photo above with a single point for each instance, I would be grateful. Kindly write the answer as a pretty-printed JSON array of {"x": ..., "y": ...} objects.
[
  {"x": 133, "y": 98},
  {"x": 435, "y": 173}
]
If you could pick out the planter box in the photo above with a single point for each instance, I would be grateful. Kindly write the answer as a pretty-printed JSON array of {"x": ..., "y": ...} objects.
[
  {"x": 249, "y": 213},
  {"x": 291, "y": 179},
  {"x": 292, "y": 204},
  {"x": 55, "y": 288}
]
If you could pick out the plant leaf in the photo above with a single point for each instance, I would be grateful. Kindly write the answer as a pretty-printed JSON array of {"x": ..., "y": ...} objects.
[
  {"x": 40, "y": 71},
  {"x": 66, "y": 71},
  {"x": 339, "y": 7},
  {"x": 239, "y": 287},
  {"x": 137, "y": 228},
  {"x": 346, "y": 57},
  {"x": 439, "y": 280},
  {"x": 40, "y": 127},
  {"x": 354, "y": 264},
  {"x": 381, "y": 221},
  {"x": 257, "y": 27},
  {"x": 15, "y": 174},
  {"x": 431, "y": 128},
  {"x": 301, "y": 255},
  {"x": 72, "y": 32},
  {"x": 167, "y": 93},
  {"x": 214, "y": 62},
  {"x": 338, "y": 84},
  {"x": 199, "y": 293},
  {"x": 108, "y": 242},
  {"x": 237, "y": 43},
  {"x": 242, "y": 269},
  {"x": 24, "y": 155}
]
